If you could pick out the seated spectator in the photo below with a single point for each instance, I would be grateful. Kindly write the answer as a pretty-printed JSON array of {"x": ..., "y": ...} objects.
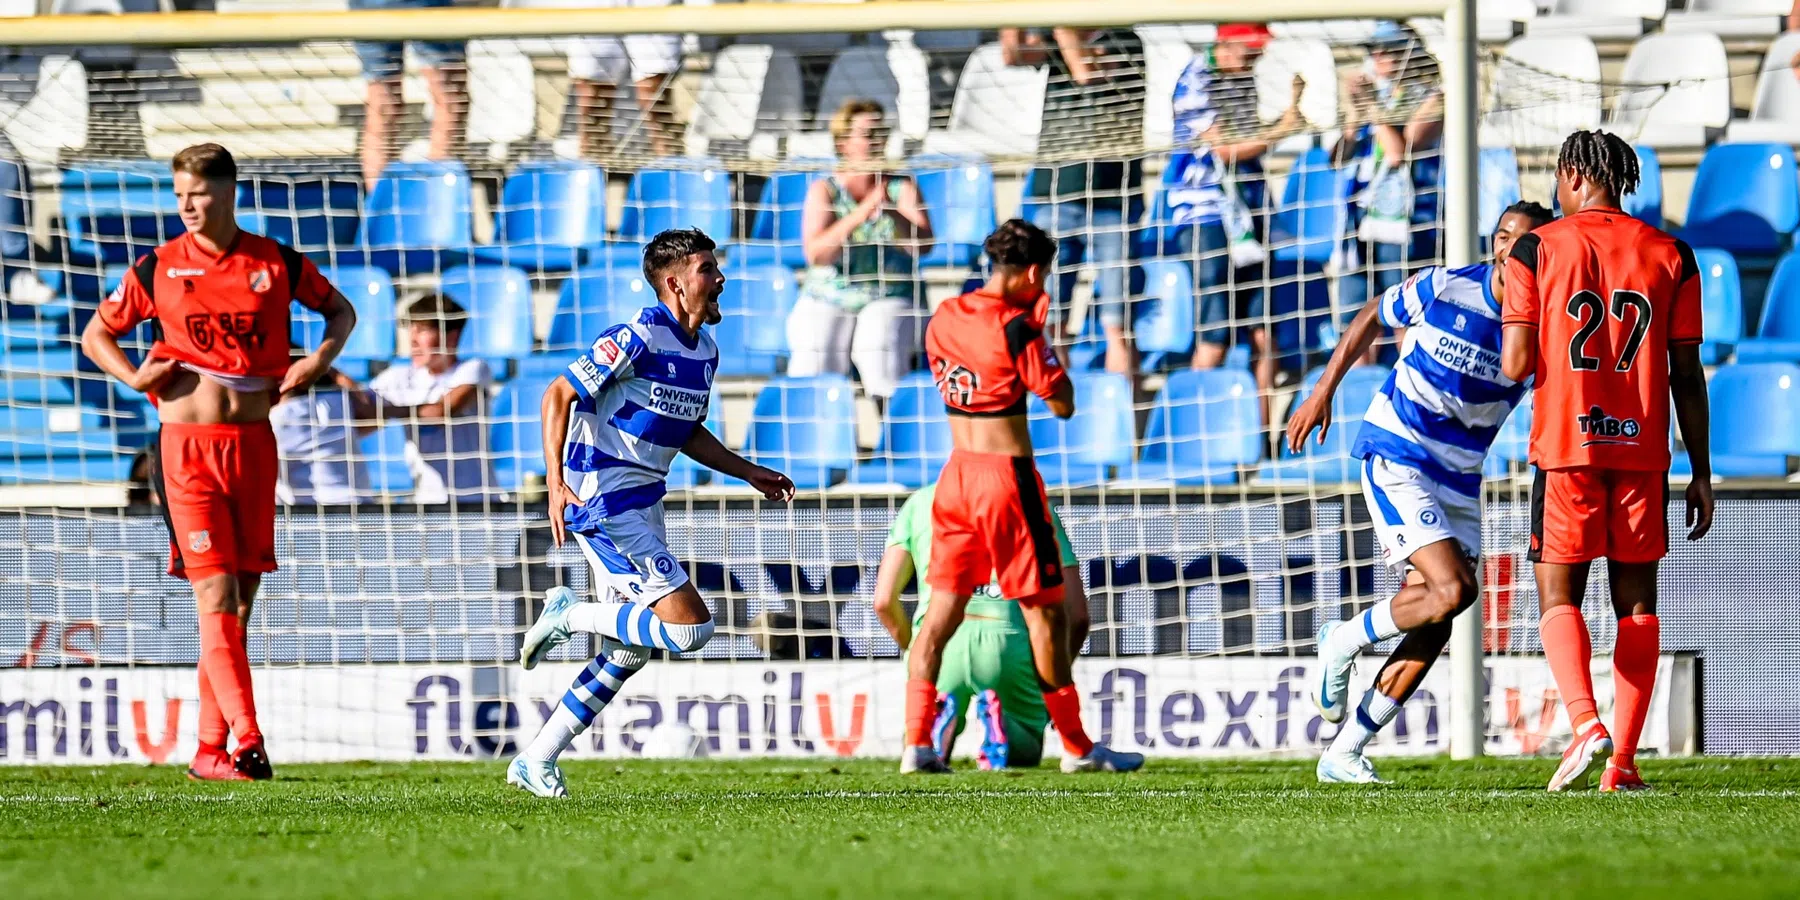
[
  {"x": 598, "y": 65},
  {"x": 863, "y": 230},
  {"x": 442, "y": 398},
  {"x": 446, "y": 77},
  {"x": 1390, "y": 140},
  {"x": 317, "y": 432},
  {"x": 1095, "y": 97},
  {"x": 1217, "y": 185}
]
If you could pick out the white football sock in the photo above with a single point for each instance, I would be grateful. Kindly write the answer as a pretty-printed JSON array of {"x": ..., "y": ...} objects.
[
  {"x": 1364, "y": 630},
  {"x": 1373, "y": 714},
  {"x": 637, "y": 625}
]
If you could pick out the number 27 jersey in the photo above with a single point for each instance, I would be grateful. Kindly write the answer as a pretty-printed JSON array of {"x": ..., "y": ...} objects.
[{"x": 1608, "y": 295}]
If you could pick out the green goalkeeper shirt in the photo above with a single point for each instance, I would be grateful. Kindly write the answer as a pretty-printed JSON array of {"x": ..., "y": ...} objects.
[{"x": 912, "y": 530}]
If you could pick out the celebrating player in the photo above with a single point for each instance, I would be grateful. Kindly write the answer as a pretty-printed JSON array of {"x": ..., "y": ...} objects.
[
  {"x": 219, "y": 298},
  {"x": 1604, "y": 311},
  {"x": 612, "y": 425},
  {"x": 990, "y": 516},
  {"x": 1422, "y": 445},
  {"x": 988, "y": 661}
]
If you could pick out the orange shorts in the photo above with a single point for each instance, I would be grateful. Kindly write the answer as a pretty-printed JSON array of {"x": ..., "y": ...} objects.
[
  {"x": 1579, "y": 515},
  {"x": 218, "y": 490},
  {"x": 990, "y": 518}
]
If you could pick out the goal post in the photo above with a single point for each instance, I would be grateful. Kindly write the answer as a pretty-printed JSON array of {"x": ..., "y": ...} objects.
[{"x": 1234, "y": 568}]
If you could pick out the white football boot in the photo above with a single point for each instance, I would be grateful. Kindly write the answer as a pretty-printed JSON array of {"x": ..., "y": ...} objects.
[
  {"x": 539, "y": 776},
  {"x": 1103, "y": 759},
  {"x": 1584, "y": 755},
  {"x": 1332, "y": 691},
  {"x": 1347, "y": 768},
  {"x": 551, "y": 627}
]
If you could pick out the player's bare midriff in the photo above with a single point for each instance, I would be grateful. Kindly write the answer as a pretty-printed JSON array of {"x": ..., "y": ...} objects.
[
  {"x": 1000, "y": 435},
  {"x": 187, "y": 397}
]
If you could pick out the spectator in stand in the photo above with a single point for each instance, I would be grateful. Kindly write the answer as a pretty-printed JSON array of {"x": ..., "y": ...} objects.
[
  {"x": 143, "y": 486},
  {"x": 598, "y": 65},
  {"x": 1391, "y": 132},
  {"x": 446, "y": 77},
  {"x": 442, "y": 399},
  {"x": 863, "y": 230},
  {"x": 1093, "y": 110},
  {"x": 316, "y": 432},
  {"x": 1216, "y": 187}
]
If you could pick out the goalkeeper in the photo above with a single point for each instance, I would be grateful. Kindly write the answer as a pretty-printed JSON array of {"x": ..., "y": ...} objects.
[{"x": 988, "y": 661}]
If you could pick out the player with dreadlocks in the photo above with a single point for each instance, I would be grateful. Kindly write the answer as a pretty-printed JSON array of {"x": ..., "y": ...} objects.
[{"x": 1604, "y": 312}]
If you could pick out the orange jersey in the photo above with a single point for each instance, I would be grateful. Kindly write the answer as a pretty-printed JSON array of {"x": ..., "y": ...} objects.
[
  {"x": 225, "y": 313},
  {"x": 1608, "y": 296},
  {"x": 986, "y": 353}
]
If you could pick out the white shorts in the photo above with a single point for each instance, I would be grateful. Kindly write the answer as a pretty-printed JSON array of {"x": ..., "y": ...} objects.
[
  {"x": 1410, "y": 511},
  {"x": 630, "y": 556}
]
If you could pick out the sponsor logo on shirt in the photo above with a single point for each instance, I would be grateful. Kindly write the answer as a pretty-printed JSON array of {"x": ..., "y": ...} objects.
[
  {"x": 1604, "y": 429},
  {"x": 676, "y": 402},
  {"x": 606, "y": 351},
  {"x": 259, "y": 280},
  {"x": 173, "y": 272},
  {"x": 587, "y": 371}
]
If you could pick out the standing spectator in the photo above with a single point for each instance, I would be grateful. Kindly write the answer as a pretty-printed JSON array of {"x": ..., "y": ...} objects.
[
  {"x": 1217, "y": 182},
  {"x": 598, "y": 65},
  {"x": 1391, "y": 140},
  {"x": 1093, "y": 109},
  {"x": 862, "y": 230},
  {"x": 441, "y": 397},
  {"x": 446, "y": 77},
  {"x": 316, "y": 432}
]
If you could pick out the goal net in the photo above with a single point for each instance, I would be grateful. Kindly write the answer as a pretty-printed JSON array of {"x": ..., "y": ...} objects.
[{"x": 1226, "y": 198}]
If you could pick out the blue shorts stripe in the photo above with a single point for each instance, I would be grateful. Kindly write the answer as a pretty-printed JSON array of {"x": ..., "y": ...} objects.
[
  {"x": 1389, "y": 513},
  {"x": 608, "y": 553}
]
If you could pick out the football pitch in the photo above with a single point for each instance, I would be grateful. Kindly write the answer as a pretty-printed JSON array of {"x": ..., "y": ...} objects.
[{"x": 1718, "y": 827}]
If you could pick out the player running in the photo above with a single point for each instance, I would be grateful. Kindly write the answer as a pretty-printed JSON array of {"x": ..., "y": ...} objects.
[
  {"x": 613, "y": 423},
  {"x": 1422, "y": 445},
  {"x": 218, "y": 297},
  {"x": 990, "y": 516},
  {"x": 988, "y": 661},
  {"x": 1604, "y": 311}
]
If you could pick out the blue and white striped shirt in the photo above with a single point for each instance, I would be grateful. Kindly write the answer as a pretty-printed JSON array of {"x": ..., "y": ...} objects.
[
  {"x": 1443, "y": 405},
  {"x": 642, "y": 389}
]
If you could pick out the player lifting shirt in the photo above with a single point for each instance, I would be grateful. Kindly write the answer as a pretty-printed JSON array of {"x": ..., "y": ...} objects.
[
  {"x": 991, "y": 518},
  {"x": 1604, "y": 312},
  {"x": 219, "y": 299}
]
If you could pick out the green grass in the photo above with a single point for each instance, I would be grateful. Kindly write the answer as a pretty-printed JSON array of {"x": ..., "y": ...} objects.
[{"x": 752, "y": 829}]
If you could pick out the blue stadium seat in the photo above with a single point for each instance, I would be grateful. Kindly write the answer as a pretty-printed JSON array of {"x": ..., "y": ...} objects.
[
  {"x": 752, "y": 336},
  {"x": 1512, "y": 446},
  {"x": 683, "y": 471},
  {"x": 1331, "y": 462},
  {"x": 1091, "y": 444},
  {"x": 1203, "y": 427},
  {"x": 1307, "y": 225},
  {"x": 1156, "y": 235},
  {"x": 371, "y": 292},
  {"x": 592, "y": 299},
  {"x": 1647, "y": 201},
  {"x": 1163, "y": 318},
  {"x": 498, "y": 300},
  {"x": 959, "y": 194},
  {"x": 15, "y": 218},
  {"x": 1498, "y": 182},
  {"x": 915, "y": 437},
  {"x": 384, "y": 454},
  {"x": 27, "y": 334},
  {"x": 1746, "y": 198},
  {"x": 673, "y": 192},
  {"x": 310, "y": 213},
  {"x": 43, "y": 374},
  {"x": 1755, "y": 419},
  {"x": 1777, "y": 336},
  {"x": 550, "y": 214},
  {"x": 805, "y": 427},
  {"x": 116, "y": 212},
  {"x": 415, "y": 220},
  {"x": 775, "y": 232},
  {"x": 1721, "y": 302},
  {"x": 516, "y": 437}
]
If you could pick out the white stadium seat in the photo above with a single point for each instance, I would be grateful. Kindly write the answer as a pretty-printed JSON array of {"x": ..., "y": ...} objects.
[
  {"x": 1686, "y": 90},
  {"x": 1730, "y": 18},
  {"x": 1312, "y": 60},
  {"x": 1599, "y": 19},
  {"x": 741, "y": 71},
  {"x": 1502, "y": 20},
  {"x": 56, "y": 116},
  {"x": 1775, "y": 113},
  {"x": 998, "y": 109},
  {"x": 893, "y": 74},
  {"x": 1544, "y": 88},
  {"x": 10, "y": 9}
]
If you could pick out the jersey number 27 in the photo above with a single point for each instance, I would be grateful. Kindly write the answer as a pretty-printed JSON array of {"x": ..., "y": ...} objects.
[{"x": 1590, "y": 311}]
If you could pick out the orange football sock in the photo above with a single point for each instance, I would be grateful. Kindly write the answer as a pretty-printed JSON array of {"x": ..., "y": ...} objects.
[
  {"x": 921, "y": 711},
  {"x": 1064, "y": 705},
  {"x": 1634, "y": 677},
  {"x": 1566, "y": 644},
  {"x": 227, "y": 666},
  {"x": 213, "y": 730}
]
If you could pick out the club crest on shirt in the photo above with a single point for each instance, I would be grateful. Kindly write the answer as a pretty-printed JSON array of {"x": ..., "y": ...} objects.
[
  {"x": 259, "y": 280},
  {"x": 200, "y": 541}
]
